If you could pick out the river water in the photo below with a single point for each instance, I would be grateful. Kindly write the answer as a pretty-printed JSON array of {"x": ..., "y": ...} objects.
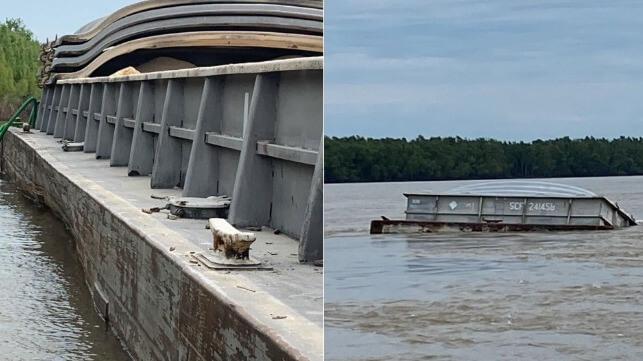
[
  {"x": 548, "y": 296},
  {"x": 46, "y": 311}
]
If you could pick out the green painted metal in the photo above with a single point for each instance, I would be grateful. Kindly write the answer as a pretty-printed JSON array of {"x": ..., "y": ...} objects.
[{"x": 32, "y": 117}]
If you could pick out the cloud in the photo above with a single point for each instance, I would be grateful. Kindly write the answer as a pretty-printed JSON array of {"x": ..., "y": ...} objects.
[
  {"x": 502, "y": 68},
  {"x": 381, "y": 93},
  {"x": 364, "y": 62}
]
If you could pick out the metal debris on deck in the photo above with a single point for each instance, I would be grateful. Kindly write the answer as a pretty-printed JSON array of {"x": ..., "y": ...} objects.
[
  {"x": 73, "y": 146},
  {"x": 507, "y": 206},
  {"x": 193, "y": 207},
  {"x": 199, "y": 208}
]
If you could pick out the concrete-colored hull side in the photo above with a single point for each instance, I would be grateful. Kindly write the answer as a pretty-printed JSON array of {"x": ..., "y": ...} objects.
[{"x": 156, "y": 300}]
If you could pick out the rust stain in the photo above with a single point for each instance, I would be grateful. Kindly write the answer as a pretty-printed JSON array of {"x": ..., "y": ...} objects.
[{"x": 394, "y": 226}]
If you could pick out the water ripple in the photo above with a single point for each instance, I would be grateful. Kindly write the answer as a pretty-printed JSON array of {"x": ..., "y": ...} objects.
[
  {"x": 480, "y": 296},
  {"x": 45, "y": 308}
]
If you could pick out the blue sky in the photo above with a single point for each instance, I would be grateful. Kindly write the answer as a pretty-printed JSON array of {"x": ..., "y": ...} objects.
[
  {"x": 506, "y": 69},
  {"x": 47, "y": 18}
]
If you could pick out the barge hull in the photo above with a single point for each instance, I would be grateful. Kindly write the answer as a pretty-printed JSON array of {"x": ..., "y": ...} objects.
[
  {"x": 404, "y": 226},
  {"x": 162, "y": 305},
  {"x": 544, "y": 212}
]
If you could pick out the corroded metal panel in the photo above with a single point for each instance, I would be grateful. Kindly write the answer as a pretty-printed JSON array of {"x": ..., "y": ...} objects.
[{"x": 514, "y": 210}]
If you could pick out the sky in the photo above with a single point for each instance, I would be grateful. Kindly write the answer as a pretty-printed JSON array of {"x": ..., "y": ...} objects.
[
  {"x": 504, "y": 69},
  {"x": 46, "y": 18}
]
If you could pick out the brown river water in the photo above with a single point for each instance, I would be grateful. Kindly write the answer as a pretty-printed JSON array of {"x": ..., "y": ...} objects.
[
  {"x": 477, "y": 296},
  {"x": 46, "y": 311}
]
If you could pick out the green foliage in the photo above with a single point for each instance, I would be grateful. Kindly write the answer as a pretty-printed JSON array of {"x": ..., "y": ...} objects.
[
  {"x": 19, "y": 63},
  {"x": 357, "y": 159}
]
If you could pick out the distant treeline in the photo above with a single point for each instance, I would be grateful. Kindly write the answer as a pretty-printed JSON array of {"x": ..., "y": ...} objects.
[
  {"x": 357, "y": 159},
  {"x": 19, "y": 51}
]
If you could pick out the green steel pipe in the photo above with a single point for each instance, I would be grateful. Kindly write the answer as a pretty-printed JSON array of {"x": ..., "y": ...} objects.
[{"x": 32, "y": 117}]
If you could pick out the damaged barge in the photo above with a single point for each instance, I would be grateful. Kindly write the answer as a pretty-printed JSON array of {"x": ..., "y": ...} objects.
[{"x": 507, "y": 207}]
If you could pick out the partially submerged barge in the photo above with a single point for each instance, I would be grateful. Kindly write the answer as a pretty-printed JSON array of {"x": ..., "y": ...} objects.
[{"x": 507, "y": 206}]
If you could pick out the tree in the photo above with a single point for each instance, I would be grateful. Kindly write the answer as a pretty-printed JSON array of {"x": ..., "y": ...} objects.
[
  {"x": 19, "y": 63},
  {"x": 357, "y": 159}
]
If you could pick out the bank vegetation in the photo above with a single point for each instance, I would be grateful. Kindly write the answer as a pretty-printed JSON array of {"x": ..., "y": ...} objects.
[
  {"x": 358, "y": 159},
  {"x": 19, "y": 51}
]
